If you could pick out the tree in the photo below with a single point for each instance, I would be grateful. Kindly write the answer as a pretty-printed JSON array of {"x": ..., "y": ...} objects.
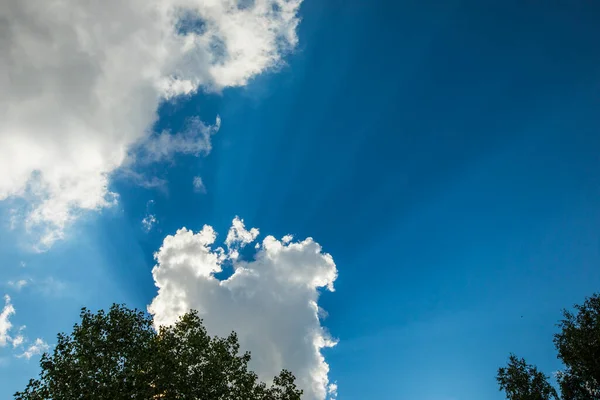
[
  {"x": 521, "y": 381},
  {"x": 119, "y": 355},
  {"x": 578, "y": 347}
]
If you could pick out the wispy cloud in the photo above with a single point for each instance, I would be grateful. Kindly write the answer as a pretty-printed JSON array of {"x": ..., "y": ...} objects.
[
  {"x": 19, "y": 284},
  {"x": 148, "y": 222},
  {"x": 5, "y": 324},
  {"x": 194, "y": 140},
  {"x": 52, "y": 287},
  {"x": 18, "y": 340},
  {"x": 127, "y": 172},
  {"x": 47, "y": 286},
  {"x": 198, "y": 185},
  {"x": 36, "y": 348}
]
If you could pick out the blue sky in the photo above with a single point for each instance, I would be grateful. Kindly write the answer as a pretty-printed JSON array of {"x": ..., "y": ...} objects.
[{"x": 445, "y": 156}]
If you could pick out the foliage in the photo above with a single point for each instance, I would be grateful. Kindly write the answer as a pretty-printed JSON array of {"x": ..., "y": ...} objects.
[
  {"x": 119, "y": 355},
  {"x": 521, "y": 381},
  {"x": 578, "y": 347}
]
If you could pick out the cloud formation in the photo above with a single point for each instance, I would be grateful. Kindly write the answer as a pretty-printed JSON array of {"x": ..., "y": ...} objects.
[
  {"x": 148, "y": 222},
  {"x": 18, "y": 341},
  {"x": 5, "y": 324},
  {"x": 35, "y": 349},
  {"x": 194, "y": 140},
  {"x": 80, "y": 84},
  {"x": 19, "y": 284},
  {"x": 271, "y": 301},
  {"x": 198, "y": 185}
]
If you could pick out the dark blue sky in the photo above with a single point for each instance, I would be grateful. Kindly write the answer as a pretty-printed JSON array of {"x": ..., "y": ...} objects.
[{"x": 446, "y": 154}]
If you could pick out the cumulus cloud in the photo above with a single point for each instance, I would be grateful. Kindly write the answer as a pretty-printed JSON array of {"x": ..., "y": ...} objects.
[
  {"x": 271, "y": 301},
  {"x": 332, "y": 390},
  {"x": 80, "y": 84},
  {"x": 238, "y": 237},
  {"x": 198, "y": 185}
]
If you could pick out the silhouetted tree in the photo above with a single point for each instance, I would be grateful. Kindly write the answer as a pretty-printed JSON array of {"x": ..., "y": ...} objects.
[
  {"x": 521, "y": 381},
  {"x": 119, "y": 355},
  {"x": 578, "y": 346}
]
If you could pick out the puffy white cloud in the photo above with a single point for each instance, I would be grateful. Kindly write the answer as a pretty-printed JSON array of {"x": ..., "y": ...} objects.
[
  {"x": 36, "y": 348},
  {"x": 198, "y": 185},
  {"x": 271, "y": 301},
  {"x": 81, "y": 81},
  {"x": 238, "y": 237},
  {"x": 332, "y": 389}
]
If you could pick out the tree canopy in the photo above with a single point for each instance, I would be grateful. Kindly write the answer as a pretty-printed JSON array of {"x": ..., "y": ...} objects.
[
  {"x": 578, "y": 347},
  {"x": 119, "y": 355}
]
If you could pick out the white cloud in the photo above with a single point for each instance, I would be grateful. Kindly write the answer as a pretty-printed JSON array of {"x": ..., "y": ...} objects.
[
  {"x": 18, "y": 340},
  {"x": 148, "y": 222},
  {"x": 18, "y": 285},
  {"x": 48, "y": 286},
  {"x": 149, "y": 182},
  {"x": 332, "y": 390},
  {"x": 238, "y": 235},
  {"x": 5, "y": 324},
  {"x": 36, "y": 348},
  {"x": 80, "y": 84},
  {"x": 271, "y": 301},
  {"x": 198, "y": 185},
  {"x": 287, "y": 238},
  {"x": 194, "y": 140}
]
